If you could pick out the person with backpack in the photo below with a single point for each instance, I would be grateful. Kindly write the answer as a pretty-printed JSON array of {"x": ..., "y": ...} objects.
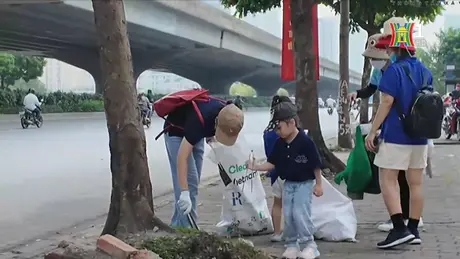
[
  {"x": 407, "y": 119},
  {"x": 190, "y": 117},
  {"x": 379, "y": 60}
]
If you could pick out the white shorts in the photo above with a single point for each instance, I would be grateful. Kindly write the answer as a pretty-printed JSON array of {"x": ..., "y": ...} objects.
[
  {"x": 401, "y": 157},
  {"x": 277, "y": 188}
]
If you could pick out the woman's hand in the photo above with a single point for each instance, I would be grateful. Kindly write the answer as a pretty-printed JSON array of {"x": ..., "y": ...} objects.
[
  {"x": 251, "y": 165},
  {"x": 352, "y": 96},
  {"x": 369, "y": 142}
]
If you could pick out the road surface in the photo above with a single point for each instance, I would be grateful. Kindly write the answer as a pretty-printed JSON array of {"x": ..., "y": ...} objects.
[{"x": 59, "y": 175}]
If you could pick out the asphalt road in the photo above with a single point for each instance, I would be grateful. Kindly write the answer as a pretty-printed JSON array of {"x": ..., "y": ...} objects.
[{"x": 58, "y": 175}]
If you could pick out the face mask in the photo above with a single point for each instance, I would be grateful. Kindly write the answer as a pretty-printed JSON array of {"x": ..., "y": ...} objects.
[
  {"x": 378, "y": 64},
  {"x": 393, "y": 57}
]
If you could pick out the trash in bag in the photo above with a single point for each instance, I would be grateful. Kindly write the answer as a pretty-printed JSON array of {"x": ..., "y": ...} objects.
[
  {"x": 244, "y": 207},
  {"x": 358, "y": 173},
  {"x": 333, "y": 215}
]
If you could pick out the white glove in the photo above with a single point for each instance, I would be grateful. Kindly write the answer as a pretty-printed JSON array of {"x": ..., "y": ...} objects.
[{"x": 184, "y": 202}]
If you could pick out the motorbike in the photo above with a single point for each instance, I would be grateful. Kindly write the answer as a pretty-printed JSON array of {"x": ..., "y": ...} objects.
[
  {"x": 330, "y": 110},
  {"x": 448, "y": 116},
  {"x": 29, "y": 118},
  {"x": 146, "y": 120}
]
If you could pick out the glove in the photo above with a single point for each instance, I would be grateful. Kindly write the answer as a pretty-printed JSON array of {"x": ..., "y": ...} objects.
[{"x": 184, "y": 203}]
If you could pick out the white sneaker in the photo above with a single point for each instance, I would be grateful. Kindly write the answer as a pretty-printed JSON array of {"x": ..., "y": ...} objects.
[
  {"x": 277, "y": 237},
  {"x": 290, "y": 253},
  {"x": 310, "y": 252},
  {"x": 388, "y": 225}
]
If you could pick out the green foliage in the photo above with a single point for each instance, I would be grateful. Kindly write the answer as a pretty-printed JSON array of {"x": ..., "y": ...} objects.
[
  {"x": 15, "y": 67},
  {"x": 430, "y": 60},
  {"x": 56, "y": 102},
  {"x": 201, "y": 245},
  {"x": 11, "y": 101},
  {"x": 35, "y": 84},
  {"x": 369, "y": 15},
  {"x": 242, "y": 90},
  {"x": 282, "y": 92},
  {"x": 448, "y": 50}
]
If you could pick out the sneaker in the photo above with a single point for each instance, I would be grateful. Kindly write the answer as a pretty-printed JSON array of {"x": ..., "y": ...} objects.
[
  {"x": 395, "y": 238},
  {"x": 290, "y": 253},
  {"x": 310, "y": 252},
  {"x": 277, "y": 237},
  {"x": 417, "y": 240},
  {"x": 388, "y": 225}
]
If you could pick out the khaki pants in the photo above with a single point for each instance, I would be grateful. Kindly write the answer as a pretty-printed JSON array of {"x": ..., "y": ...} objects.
[{"x": 401, "y": 157}]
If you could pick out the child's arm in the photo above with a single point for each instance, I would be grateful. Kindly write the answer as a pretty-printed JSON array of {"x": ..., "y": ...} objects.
[
  {"x": 318, "y": 176},
  {"x": 267, "y": 166}
]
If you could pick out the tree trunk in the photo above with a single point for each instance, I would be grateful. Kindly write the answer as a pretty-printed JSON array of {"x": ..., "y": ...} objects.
[
  {"x": 364, "y": 109},
  {"x": 344, "y": 132},
  {"x": 306, "y": 85},
  {"x": 131, "y": 204}
]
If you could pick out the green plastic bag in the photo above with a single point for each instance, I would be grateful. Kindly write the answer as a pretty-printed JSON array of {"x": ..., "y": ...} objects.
[{"x": 358, "y": 173}]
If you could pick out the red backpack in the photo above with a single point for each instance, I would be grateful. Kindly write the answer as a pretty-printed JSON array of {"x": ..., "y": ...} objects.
[{"x": 168, "y": 103}]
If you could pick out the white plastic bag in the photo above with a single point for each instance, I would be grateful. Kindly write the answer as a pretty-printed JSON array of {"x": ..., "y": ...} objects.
[
  {"x": 333, "y": 215},
  {"x": 244, "y": 207}
]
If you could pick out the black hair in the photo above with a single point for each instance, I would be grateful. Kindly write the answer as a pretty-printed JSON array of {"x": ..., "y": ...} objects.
[{"x": 277, "y": 99}]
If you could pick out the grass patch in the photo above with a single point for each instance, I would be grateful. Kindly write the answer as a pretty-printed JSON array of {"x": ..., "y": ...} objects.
[{"x": 192, "y": 244}]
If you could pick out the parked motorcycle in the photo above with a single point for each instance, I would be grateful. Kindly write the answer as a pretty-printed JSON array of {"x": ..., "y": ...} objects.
[
  {"x": 448, "y": 116},
  {"x": 330, "y": 110}
]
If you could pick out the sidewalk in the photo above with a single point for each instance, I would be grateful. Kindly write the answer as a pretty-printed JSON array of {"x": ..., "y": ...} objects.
[{"x": 441, "y": 238}]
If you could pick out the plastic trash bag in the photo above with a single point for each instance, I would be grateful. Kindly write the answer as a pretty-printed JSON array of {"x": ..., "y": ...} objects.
[
  {"x": 358, "y": 173},
  {"x": 333, "y": 215},
  {"x": 244, "y": 205}
]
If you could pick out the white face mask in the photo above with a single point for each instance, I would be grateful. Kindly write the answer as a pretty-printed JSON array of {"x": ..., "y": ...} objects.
[{"x": 378, "y": 64}]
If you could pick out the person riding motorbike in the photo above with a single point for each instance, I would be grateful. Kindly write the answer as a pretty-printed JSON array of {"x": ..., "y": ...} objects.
[
  {"x": 330, "y": 103},
  {"x": 32, "y": 104},
  {"x": 144, "y": 105}
]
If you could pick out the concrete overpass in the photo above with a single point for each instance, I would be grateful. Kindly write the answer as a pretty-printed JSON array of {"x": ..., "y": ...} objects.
[{"x": 188, "y": 38}]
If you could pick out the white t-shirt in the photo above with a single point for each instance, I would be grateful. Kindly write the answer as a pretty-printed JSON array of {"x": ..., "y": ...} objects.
[
  {"x": 330, "y": 102},
  {"x": 31, "y": 102}
]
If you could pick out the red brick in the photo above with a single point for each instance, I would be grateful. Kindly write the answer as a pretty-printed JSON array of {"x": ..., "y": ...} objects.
[
  {"x": 144, "y": 254},
  {"x": 114, "y": 247}
]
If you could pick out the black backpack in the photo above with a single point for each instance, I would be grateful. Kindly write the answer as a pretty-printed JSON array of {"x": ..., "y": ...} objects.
[{"x": 425, "y": 112}]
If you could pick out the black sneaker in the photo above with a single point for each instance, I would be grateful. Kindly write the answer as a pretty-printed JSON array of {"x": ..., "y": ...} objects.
[
  {"x": 396, "y": 238},
  {"x": 417, "y": 240}
]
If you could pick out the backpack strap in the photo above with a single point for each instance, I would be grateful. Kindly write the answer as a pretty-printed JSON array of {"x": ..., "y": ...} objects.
[{"x": 399, "y": 108}]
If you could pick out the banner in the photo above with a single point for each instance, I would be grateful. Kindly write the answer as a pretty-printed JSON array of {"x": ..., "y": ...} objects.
[{"x": 287, "y": 55}]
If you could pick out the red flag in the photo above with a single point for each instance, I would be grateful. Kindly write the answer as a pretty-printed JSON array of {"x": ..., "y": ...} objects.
[{"x": 287, "y": 55}]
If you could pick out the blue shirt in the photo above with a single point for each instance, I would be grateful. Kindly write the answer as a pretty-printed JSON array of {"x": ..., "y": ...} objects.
[
  {"x": 270, "y": 138},
  {"x": 295, "y": 161},
  {"x": 396, "y": 83},
  {"x": 189, "y": 125}
]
